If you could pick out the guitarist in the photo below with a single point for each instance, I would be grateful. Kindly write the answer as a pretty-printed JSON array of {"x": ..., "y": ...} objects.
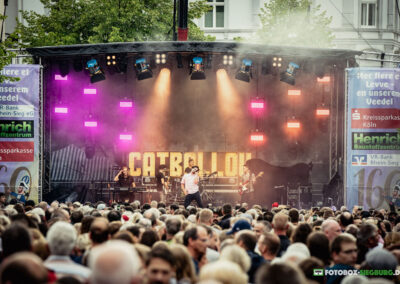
[
  {"x": 246, "y": 185},
  {"x": 162, "y": 183}
]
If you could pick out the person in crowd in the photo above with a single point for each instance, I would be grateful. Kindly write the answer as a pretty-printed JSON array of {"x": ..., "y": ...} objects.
[
  {"x": 16, "y": 238},
  {"x": 344, "y": 256},
  {"x": 239, "y": 225},
  {"x": 224, "y": 223},
  {"x": 280, "y": 273},
  {"x": 196, "y": 241},
  {"x": 294, "y": 216},
  {"x": 345, "y": 220},
  {"x": 367, "y": 239},
  {"x": 301, "y": 233},
  {"x": 237, "y": 255},
  {"x": 113, "y": 262},
  {"x": 184, "y": 267},
  {"x": 247, "y": 240},
  {"x": 318, "y": 244},
  {"x": 269, "y": 245},
  {"x": 261, "y": 227},
  {"x": 61, "y": 239},
  {"x": 173, "y": 226},
  {"x": 224, "y": 272},
  {"x": 281, "y": 226},
  {"x": 160, "y": 266},
  {"x": 206, "y": 217},
  {"x": 331, "y": 229}
]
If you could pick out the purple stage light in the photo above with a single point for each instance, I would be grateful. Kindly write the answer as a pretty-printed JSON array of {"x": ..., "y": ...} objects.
[
  {"x": 62, "y": 110},
  {"x": 125, "y": 137},
  {"x": 126, "y": 104},
  {"x": 89, "y": 91},
  {"x": 58, "y": 77},
  {"x": 90, "y": 123}
]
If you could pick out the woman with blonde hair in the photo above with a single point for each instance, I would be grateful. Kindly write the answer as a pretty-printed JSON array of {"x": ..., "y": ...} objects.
[
  {"x": 184, "y": 267},
  {"x": 237, "y": 255}
]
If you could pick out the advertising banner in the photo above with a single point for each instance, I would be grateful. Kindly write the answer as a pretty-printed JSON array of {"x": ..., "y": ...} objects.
[
  {"x": 373, "y": 139},
  {"x": 19, "y": 132}
]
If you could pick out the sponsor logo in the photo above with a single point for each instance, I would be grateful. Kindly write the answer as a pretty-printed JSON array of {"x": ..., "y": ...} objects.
[
  {"x": 359, "y": 160},
  {"x": 387, "y": 118},
  {"x": 375, "y": 141},
  {"x": 16, "y": 129},
  {"x": 16, "y": 151},
  {"x": 318, "y": 272},
  {"x": 356, "y": 115}
]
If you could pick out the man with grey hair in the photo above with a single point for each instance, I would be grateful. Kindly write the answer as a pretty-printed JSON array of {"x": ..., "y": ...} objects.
[
  {"x": 331, "y": 229},
  {"x": 61, "y": 239},
  {"x": 153, "y": 215},
  {"x": 115, "y": 262}
]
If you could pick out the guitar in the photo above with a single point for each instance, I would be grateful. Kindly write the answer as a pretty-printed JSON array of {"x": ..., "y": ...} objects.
[{"x": 245, "y": 186}]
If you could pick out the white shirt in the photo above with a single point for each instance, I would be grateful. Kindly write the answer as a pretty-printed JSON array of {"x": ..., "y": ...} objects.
[{"x": 189, "y": 180}]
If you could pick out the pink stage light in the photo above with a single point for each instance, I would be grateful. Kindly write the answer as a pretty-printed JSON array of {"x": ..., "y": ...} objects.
[
  {"x": 89, "y": 91},
  {"x": 257, "y": 105},
  {"x": 325, "y": 79},
  {"x": 257, "y": 138},
  {"x": 125, "y": 137},
  {"x": 90, "y": 123},
  {"x": 323, "y": 112},
  {"x": 126, "y": 104},
  {"x": 294, "y": 92},
  {"x": 58, "y": 77},
  {"x": 62, "y": 110},
  {"x": 293, "y": 124}
]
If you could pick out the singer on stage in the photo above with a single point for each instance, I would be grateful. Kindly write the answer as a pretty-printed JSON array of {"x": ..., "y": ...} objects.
[{"x": 190, "y": 187}]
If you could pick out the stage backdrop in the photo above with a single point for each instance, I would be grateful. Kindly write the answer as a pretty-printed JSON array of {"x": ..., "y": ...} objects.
[
  {"x": 19, "y": 129},
  {"x": 373, "y": 140}
]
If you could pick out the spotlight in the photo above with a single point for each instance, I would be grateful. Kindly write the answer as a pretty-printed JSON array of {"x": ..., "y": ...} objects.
[
  {"x": 277, "y": 62},
  {"x": 293, "y": 124},
  {"x": 227, "y": 59},
  {"x": 125, "y": 137},
  {"x": 161, "y": 58},
  {"x": 257, "y": 138},
  {"x": 90, "y": 123},
  {"x": 96, "y": 74},
  {"x": 197, "y": 69},
  {"x": 61, "y": 110},
  {"x": 289, "y": 75},
  {"x": 58, "y": 77},
  {"x": 294, "y": 92},
  {"x": 325, "y": 79},
  {"x": 244, "y": 73},
  {"x": 87, "y": 91},
  {"x": 142, "y": 68},
  {"x": 111, "y": 60},
  {"x": 126, "y": 104},
  {"x": 323, "y": 112}
]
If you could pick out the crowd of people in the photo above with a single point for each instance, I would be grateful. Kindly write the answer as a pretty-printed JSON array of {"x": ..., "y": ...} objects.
[{"x": 154, "y": 243}]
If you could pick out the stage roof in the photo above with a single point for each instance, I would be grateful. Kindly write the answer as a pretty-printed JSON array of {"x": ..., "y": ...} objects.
[{"x": 188, "y": 46}]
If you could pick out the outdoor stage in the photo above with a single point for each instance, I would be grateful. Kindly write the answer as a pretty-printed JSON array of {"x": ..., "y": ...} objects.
[{"x": 291, "y": 118}]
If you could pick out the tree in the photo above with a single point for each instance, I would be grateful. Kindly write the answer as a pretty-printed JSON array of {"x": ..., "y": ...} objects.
[
  {"x": 295, "y": 23},
  {"x": 6, "y": 55},
  {"x": 91, "y": 21}
]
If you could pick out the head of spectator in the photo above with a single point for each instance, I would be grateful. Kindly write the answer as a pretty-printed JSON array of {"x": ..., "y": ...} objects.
[
  {"x": 184, "y": 268},
  {"x": 318, "y": 244},
  {"x": 352, "y": 230},
  {"x": 23, "y": 267},
  {"x": 237, "y": 255},
  {"x": 76, "y": 216},
  {"x": 392, "y": 239},
  {"x": 16, "y": 238},
  {"x": 296, "y": 253},
  {"x": 261, "y": 227},
  {"x": 301, "y": 233},
  {"x": 280, "y": 273},
  {"x": 380, "y": 259},
  {"x": 344, "y": 250},
  {"x": 98, "y": 232},
  {"x": 114, "y": 262},
  {"x": 223, "y": 271},
  {"x": 308, "y": 265},
  {"x": 206, "y": 217},
  {"x": 246, "y": 239},
  {"x": 345, "y": 220},
  {"x": 196, "y": 241},
  {"x": 153, "y": 215},
  {"x": 124, "y": 236},
  {"x": 238, "y": 226},
  {"x": 214, "y": 241},
  {"x": 280, "y": 224},
  {"x": 367, "y": 238},
  {"x": 227, "y": 209},
  {"x": 149, "y": 237},
  {"x": 86, "y": 223},
  {"x": 160, "y": 266},
  {"x": 61, "y": 238},
  {"x": 173, "y": 226},
  {"x": 268, "y": 245},
  {"x": 331, "y": 229},
  {"x": 294, "y": 216}
]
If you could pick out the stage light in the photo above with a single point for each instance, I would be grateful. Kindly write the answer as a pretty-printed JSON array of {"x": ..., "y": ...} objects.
[
  {"x": 257, "y": 104},
  {"x": 227, "y": 59},
  {"x": 61, "y": 110},
  {"x": 88, "y": 91},
  {"x": 197, "y": 69},
  {"x": 257, "y": 138},
  {"x": 322, "y": 112},
  {"x": 126, "y": 104},
  {"x": 293, "y": 124},
  {"x": 96, "y": 74},
  {"x": 111, "y": 60},
  {"x": 294, "y": 92},
  {"x": 325, "y": 79},
  {"x": 142, "y": 68},
  {"x": 289, "y": 75},
  {"x": 277, "y": 62},
  {"x": 58, "y": 77},
  {"x": 90, "y": 123},
  {"x": 244, "y": 73},
  {"x": 125, "y": 137},
  {"x": 161, "y": 58}
]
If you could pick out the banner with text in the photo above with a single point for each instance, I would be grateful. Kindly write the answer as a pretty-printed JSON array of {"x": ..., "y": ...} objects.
[
  {"x": 19, "y": 132},
  {"x": 373, "y": 139}
]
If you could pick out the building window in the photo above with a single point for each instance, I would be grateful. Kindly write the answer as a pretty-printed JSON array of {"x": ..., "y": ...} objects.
[
  {"x": 215, "y": 17},
  {"x": 368, "y": 14}
]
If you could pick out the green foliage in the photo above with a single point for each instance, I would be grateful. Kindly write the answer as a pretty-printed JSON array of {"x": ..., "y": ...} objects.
[
  {"x": 294, "y": 22},
  {"x": 92, "y": 21},
  {"x": 6, "y": 55}
]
